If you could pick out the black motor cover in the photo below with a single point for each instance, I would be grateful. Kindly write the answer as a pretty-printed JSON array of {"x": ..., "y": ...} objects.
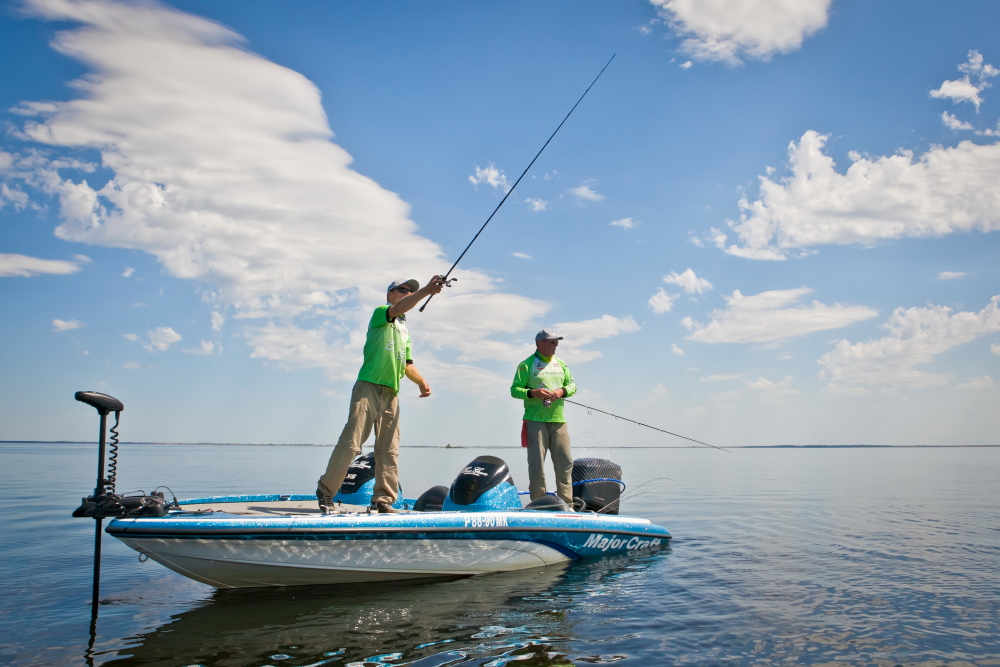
[
  {"x": 362, "y": 469},
  {"x": 431, "y": 500},
  {"x": 597, "y": 495},
  {"x": 484, "y": 473}
]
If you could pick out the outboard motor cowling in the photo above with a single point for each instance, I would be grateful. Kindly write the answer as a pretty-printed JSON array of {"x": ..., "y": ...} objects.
[
  {"x": 602, "y": 494},
  {"x": 359, "y": 483},
  {"x": 483, "y": 485}
]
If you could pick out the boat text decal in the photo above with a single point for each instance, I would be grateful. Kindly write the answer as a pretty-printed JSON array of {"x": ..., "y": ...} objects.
[
  {"x": 604, "y": 543},
  {"x": 485, "y": 521}
]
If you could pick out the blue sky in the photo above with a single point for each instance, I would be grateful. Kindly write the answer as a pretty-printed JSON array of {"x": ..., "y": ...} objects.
[{"x": 768, "y": 223}]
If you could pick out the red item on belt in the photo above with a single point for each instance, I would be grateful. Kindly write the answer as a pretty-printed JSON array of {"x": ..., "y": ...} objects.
[{"x": 524, "y": 432}]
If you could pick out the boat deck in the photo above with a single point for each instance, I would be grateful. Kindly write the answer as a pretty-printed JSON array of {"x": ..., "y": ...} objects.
[{"x": 274, "y": 508}]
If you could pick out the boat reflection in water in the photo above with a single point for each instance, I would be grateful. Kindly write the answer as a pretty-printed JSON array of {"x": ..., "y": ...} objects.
[{"x": 468, "y": 621}]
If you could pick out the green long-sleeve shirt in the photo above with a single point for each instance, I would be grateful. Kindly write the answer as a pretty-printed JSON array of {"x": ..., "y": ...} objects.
[{"x": 536, "y": 373}]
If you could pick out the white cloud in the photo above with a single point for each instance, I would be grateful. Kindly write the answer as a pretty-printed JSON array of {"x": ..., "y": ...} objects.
[
  {"x": 207, "y": 347},
  {"x": 687, "y": 64},
  {"x": 625, "y": 223},
  {"x": 578, "y": 334},
  {"x": 982, "y": 382},
  {"x": 537, "y": 204},
  {"x": 964, "y": 90},
  {"x": 722, "y": 378},
  {"x": 953, "y": 123},
  {"x": 131, "y": 337},
  {"x": 676, "y": 350},
  {"x": 26, "y": 267},
  {"x": 694, "y": 240},
  {"x": 127, "y": 273},
  {"x": 946, "y": 190},
  {"x": 161, "y": 338},
  {"x": 661, "y": 302},
  {"x": 585, "y": 191},
  {"x": 521, "y": 255},
  {"x": 763, "y": 384},
  {"x": 771, "y": 316},
  {"x": 224, "y": 168},
  {"x": 689, "y": 281},
  {"x": 491, "y": 176},
  {"x": 218, "y": 319},
  {"x": 995, "y": 349},
  {"x": 132, "y": 365},
  {"x": 916, "y": 336},
  {"x": 950, "y": 275},
  {"x": 730, "y": 30},
  {"x": 67, "y": 325}
]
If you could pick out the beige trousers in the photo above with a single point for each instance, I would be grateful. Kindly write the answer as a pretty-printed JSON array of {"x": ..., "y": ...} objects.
[
  {"x": 372, "y": 406},
  {"x": 551, "y": 437}
]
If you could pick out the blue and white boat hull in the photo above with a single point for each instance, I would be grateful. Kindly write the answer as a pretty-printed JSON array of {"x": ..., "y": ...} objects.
[{"x": 282, "y": 547}]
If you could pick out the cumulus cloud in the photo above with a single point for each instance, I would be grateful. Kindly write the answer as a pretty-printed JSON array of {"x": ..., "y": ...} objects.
[
  {"x": 206, "y": 347},
  {"x": 967, "y": 89},
  {"x": 661, "y": 302},
  {"x": 946, "y": 190},
  {"x": 161, "y": 338},
  {"x": 916, "y": 336},
  {"x": 578, "y": 334},
  {"x": 492, "y": 176},
  {"x": 224, "y": 168},
  {"x": 66, "y": 325},
  {"x": 676, "y": 350},
  {"x": 950, "y": 275},
  {"x": 586, "y": 192},
  {"x": 689, "y": 281},
  {"x": 982, "y": 382},
  {"x": 521, "y": 255},
  {"x": 953, "y": 123},
  {"x": 771, "y": 316},
  {"x": 730, "y": 30},
  {"x": 536, "y": 204},
  {"x": 131, "y": 337},
  {"x": 625, "y": 223},
  {"x": 127, "y": 273},
  {"x": 995, "y": 349},
  {"x": 27, "y": 267}
]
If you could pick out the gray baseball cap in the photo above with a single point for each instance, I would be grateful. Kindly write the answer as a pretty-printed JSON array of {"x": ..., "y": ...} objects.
[
  {"x": 546, "y": 334},
  {"x": 411, "y": 283}
]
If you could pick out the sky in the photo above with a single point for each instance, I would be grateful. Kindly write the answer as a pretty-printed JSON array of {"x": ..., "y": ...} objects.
[{"x": 770, "y": 222}]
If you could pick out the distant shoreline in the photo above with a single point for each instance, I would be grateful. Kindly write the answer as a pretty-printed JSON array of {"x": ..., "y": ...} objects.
[{"x": 306, "y": 444}]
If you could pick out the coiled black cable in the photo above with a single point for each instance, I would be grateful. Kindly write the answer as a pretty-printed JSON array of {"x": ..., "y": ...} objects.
[{"x": 112, "y": 458}]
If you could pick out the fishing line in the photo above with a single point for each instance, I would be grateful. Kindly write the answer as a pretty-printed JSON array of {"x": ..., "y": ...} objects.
[
  {"x": 684, "y": 437},
  {"x": 518, "y": 181}
]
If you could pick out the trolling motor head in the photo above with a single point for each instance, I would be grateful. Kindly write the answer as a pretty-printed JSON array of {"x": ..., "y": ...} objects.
[{"x": 102, "y": 402}]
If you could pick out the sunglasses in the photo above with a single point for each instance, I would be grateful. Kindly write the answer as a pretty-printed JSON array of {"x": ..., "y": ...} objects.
[{"x": 403, "y": 290}]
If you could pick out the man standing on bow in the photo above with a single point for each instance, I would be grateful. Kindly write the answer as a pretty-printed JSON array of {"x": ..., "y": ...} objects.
[
  {"x": 542, "y": 381},
  {"x": 375, "y": 398}
]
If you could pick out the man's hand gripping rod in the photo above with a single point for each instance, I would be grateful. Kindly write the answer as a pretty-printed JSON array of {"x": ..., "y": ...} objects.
[{"x": 448, "y": 282}]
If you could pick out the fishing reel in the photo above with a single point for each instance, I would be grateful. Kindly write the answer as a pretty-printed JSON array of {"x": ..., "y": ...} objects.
[{"x": 447, "y": 282}]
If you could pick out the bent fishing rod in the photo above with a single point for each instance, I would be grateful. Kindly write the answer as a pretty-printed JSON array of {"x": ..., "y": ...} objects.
[
  {"x": 683, "y": 437},
  {"x": 445, "y": 277}
]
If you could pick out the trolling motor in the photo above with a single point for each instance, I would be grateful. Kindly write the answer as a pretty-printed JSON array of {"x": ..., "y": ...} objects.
[{"x": 105, "y": 502}]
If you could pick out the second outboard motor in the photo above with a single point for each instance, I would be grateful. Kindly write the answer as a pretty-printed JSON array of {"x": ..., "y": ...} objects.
[
  {"x": 597, "y": 485},
  {"x": 359, "y": 484},
  {"x": 431, "y": 500},
  {"x": 483, "y": 485}
]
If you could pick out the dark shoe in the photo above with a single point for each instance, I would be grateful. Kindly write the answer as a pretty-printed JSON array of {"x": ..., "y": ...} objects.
[
  {"x": 384, "y": 508},
  {"x": 325, "y": 502}
]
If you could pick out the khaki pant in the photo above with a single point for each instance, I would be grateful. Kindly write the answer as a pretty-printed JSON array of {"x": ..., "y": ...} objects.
[
  {"x": 372, "y": 405},
  {"x": 551, "y": 437}
]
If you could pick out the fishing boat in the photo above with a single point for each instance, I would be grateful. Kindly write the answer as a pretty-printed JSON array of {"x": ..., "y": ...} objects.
[{"x": 476, "y": 526}]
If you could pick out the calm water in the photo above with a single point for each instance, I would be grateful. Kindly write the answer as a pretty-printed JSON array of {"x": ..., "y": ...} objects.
[{"x": 780, "y": 557}]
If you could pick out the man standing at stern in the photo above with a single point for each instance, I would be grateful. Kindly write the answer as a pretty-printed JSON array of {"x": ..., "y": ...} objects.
[
  {"x": 542, "y": 381},
  {"x": 375, "y": 398}
]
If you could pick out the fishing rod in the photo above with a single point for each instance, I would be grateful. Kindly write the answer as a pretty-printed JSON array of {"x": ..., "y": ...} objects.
[
  {"x": 445, "y": 277},
  {"x": 684, "y": 437}
]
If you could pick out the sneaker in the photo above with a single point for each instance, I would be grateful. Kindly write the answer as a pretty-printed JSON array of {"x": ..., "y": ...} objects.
[
  {"x": 384, "y": 508},
  {"x": 325, "y": 502}
]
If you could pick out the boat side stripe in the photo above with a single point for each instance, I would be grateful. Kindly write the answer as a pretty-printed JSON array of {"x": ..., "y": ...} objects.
[{"x": 238, "y": 532}]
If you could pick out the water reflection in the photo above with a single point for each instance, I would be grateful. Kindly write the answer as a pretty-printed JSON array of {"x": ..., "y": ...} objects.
[{"x": 524, "y": 616}]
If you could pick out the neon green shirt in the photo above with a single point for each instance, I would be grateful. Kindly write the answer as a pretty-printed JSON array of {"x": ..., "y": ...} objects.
[
  {"x": 536, "y": 373},
  {"x": 387, "y": 349}
]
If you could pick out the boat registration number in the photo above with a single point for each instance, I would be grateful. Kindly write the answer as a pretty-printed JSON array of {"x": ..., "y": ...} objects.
[{"x": 485, "y": 521}]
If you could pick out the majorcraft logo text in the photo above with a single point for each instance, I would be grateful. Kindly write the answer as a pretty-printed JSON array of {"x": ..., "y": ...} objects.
[{"x": 597, "y": 541}]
